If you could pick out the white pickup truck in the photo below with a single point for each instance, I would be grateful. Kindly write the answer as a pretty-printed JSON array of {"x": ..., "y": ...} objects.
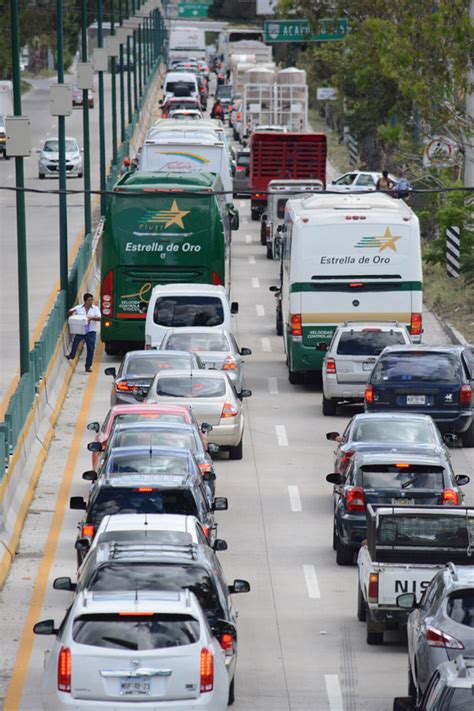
[{"x": 404, "y": 549}]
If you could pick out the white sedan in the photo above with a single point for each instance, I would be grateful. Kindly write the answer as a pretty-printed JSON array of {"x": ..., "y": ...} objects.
[{"x": 357, "y": 180}]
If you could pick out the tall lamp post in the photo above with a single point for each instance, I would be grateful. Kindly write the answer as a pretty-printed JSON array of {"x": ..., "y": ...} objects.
[
  {"x": 63, "y": 250},
  {"x": 86, "y": 127},
  {"x": 100, "y": 42}
]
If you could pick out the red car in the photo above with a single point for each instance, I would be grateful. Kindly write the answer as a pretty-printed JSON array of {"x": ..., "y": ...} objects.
[
  {"x": 77, "y": 97},
  {"x": 135, "y": 413},
  {"x": 179, "y": 102}
]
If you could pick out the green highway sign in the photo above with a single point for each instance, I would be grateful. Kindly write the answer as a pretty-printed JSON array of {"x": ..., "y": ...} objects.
[
  {"x": 193, "y": 9},
  {"x": 300, "y": 30}
]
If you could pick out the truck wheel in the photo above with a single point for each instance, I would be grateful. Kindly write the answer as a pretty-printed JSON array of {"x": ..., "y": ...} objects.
[
  {"x": 361, "y": 608},
  {"x": 263, "y": 237},
  {"x": 467, "y": 437},
  {"x": 329, "y": 407},
  {"x": 254, "y": 214},
  {"x": 411, "y": 685},
  {"x": 269, "y": 252},
  {"x": 334, "y": 537},
  {"x": 344, "y": 554},
  {"x": 41, "y": 176},
  {"x": 111, "y": 349},
  {"x": 231, "y": 698},
  {"x": 373, "y": 637},
  {"x": 295, "y": 378},
  {"x": 237, "y": 451},
  {"x": 279, "y": 323}
]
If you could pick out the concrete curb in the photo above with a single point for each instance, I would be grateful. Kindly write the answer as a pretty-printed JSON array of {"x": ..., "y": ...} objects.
[{"x": 452, "y": 333}]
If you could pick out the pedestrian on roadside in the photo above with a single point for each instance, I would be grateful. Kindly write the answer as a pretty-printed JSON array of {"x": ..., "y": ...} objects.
[
  {"x": 216, "y": 112},
  {"x": 92, "y": 313},
  {"x": 384, "y": 182}
]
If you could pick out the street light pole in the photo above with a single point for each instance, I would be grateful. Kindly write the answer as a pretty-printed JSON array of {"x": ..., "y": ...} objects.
[
  {"x": 114, "y": 86},
  {"x": 86, "y": 128},
  {"x": 129, "y": 74},
  {"x": 22, "y": 253},
  {"x": 100, "y": 42},
  {"x": 122, "y": 80},
  {"x": 63, "y": 265}
]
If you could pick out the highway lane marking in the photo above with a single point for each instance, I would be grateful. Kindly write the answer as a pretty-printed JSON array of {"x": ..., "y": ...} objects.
[
  {"x": 281, "y": 435},
  {"x": 266, "y": 345},
  {"x": 273, "y": 386},
  {"x": 312, "y": 586},
  {"x": 255, "y": 283},
  {"x": 20, "y": 671},
  {"x": 248, "y": 239},
  {"x": 260, "y": 310},
  {"x": 251, "y": 259},
  {"x": 334, "y": 692},
  {"x": 295, "y": 501}
]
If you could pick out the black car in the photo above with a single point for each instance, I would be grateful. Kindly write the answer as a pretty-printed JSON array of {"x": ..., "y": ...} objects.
[
  {"x": 432, "y": 380},
  {"x": 388, "y": 478}
]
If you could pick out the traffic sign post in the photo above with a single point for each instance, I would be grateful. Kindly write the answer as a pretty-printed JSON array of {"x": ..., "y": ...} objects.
[
  {"x": 193, "y": 9},
  {"x": 329, "y": 30}
]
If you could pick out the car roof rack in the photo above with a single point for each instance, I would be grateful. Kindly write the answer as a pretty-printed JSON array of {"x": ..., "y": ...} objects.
[{"x": 121, "y": 551}]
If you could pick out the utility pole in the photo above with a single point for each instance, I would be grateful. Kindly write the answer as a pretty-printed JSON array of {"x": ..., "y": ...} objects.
[
  {"x": 114, "y": 86},
  {"x": 469, "y": 135},
  {"x": 129, "y": 75},
  {"x": 22, "y": 260},
  {"x": 100, "y": 42},
  {"x": 122, "y": 80},
  {"x": 63, "y": 251},
  {"x": 86, "y": 128}
]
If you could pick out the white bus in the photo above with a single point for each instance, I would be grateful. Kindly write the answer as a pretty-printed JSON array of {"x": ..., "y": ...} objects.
[{"x": 348, "y": 257}]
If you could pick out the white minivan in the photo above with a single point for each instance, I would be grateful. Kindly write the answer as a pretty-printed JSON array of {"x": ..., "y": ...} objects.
[
  {"x": 177, "y": 82},
  {"x": 183, "y": 305}
]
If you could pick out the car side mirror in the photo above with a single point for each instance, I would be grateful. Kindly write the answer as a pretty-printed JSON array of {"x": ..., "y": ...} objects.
[
  {"x": 245, "y": 351},
  {"x": 64, "y": 584},
  {"x": 77, "y": 503},
  {"x": 89, "y": 475},
  {"x": 407, "y": 601},
  {"x": 213, "y": 448},
  {"x": 322, "y": 347},
  {"x": 45, "y": 627},
  {"x": 239, "y": 586},
  {"x": 160, "y": 102},
  {"x": 334, "y": 478},
  {"x": 93, "y": 426},
  {"x": 332, "y": 436},
  {"x": 82, "y": 545},
  {"x": 403, "y": 703},
  {"x": 462, "y": 479},
  {"x": 94, "y": 447},
  {"x": 208, "y": 476},
  {"x": 245, "y": 393},
  {"x": 234, "y": 308},
  {"x": 110, "y": 371},
  {"x": 143, "y": 307},
  {"x": 220, "y": 545},
  {"x": 206, "y": 427},
  {"x": 220, "y": 504}
]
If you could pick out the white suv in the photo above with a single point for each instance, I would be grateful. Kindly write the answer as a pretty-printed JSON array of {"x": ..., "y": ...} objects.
[
  {"x": 351, "y": 356},
  {"x": 147, "y": 649}
]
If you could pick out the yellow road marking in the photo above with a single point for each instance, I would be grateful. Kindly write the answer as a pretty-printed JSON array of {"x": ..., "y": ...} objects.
[{"x": 15, "y": 689}]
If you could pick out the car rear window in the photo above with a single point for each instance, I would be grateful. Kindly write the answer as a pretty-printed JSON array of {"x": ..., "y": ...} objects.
[
  {"x": 243, "y": 159},
  {"x": 114, "y": 500},
  {"x": 460, "y": 607},
  {"x": 197, "y": 342},
  {"x": 367, "y": 342},
  {"x": 171, "y": 86},
  {"x": 182, "y": 311},
  {"x": 417, "y": 366},
  {"x": 149, "y": 463},
  {"x": 393, "y": 431},
  {"x": 376, "y": 476},
  {"x": 146, "y": 417},
  {"x": 190, "y": 387},
  {"x": 152, "y": 364},
  {"x": 135, "y": 632},
  {"x": 157, "y": 438},
  {"x": 426, "y": 531}
]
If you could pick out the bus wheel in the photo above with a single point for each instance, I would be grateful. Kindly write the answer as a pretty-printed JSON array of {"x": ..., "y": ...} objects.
[
  {"x": 111, "y": 349},
  {"x": 329, "y": 407},
  {"x": 295, "y": 378}
]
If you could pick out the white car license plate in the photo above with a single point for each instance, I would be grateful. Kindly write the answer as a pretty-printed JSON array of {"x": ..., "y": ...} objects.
[
  {"x": 403, "y": 502},
  {"x": 416, "y": 400},
  {"x": 367, "y": 366},
  {"x": 135, "y": 687}
]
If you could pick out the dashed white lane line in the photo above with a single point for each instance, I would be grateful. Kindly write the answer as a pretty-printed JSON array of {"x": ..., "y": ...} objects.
[
  {"x": 273, "y": 386},
  {"x": 248, "y": 239},
  {"x": 334, "y": 692},
  {"x": 255, "y": 283},
  {"x": 251, "y": 259},
  {"x": 311, "y": 581},
  {"x": 281, "y": 435},
  {"x": 266, "y": 345},
  {"x": 295, "y": 501},
  {"x": 260, "y": 310}
]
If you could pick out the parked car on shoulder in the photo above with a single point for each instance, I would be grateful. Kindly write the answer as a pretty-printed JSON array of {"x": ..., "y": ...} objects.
[
  {"x": 357, "y": 181},
  {"x": 449, "y": 689}
]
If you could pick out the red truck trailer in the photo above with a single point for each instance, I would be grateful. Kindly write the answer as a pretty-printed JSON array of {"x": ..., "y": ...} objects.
[{"x": 280, "y": 156}]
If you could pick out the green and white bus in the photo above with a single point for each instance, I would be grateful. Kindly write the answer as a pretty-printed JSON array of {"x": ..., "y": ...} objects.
[
  {"x": 160, "y": 228},
  {"x": 348, "y": 257}
]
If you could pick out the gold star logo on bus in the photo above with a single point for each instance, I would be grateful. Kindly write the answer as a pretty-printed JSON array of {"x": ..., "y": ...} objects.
[
  {"x": 173, "y": 216},
  {"x": 388, "y": 241}
]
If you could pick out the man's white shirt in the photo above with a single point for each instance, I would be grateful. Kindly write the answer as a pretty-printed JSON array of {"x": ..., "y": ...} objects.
[{"x": 93, "y": 311}]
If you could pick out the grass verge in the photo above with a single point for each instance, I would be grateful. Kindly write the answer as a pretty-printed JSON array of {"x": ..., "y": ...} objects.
[
  {"x": 451, "y": 299},
  {"x": 337, "y": 152}
]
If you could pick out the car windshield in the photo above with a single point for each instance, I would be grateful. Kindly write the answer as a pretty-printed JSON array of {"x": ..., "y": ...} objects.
[
  {"x": 182, "y": 311},
  {"x": 224, "y": 92},
  {"x": 197, "y": 342},
  {"x": 243, "y": 159},
  {"x": 402, "y": 476},
  {"x": 460, "y": 607},
  {"x": 158, "y": 576},
  {"x": 157, "y": 438},
  {"x": 426, "y": 531},
  {"x": 190, "y": 387},
  {"x": 135, "y": 632},
  {"x": 53, "y": 147},
  {"x": 114, "y": 500},
  {"x": 146, "y": 417},
  {"x": 172, "y": 86},
  {"x": 393, "y": 432},
  {"x": 153, "y": 363},
  {"x": 417, "y": 366},
  {"x": 146, "y": 464},
  {"x": 368, "y": 342}
]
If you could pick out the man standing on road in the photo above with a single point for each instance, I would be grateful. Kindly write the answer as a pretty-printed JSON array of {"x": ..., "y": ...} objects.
[{"x": 92, "y": 313}]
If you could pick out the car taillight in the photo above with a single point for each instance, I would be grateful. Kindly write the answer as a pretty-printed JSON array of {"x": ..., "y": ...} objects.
[
  {"x": 87, "y": 530},
  {"x": 449, "y": 497},
  {"x": 330, "y": 365},
  {"x": 239, "y": 116},
  {"x": 369, "y": 393},
  {"x": 355, "y": 500},
  {"x": 206, "y": 531},
  {"x": 229, "y": 364},
  {"x": 107, "y": 295},
  {"x": 64, "y": 669},
  {"x": 268, "y": 231},
  {"x": 240, "y": 168},
  {"x": 227, "y": 642},
  {"x": 204, "y": 467},
  {"x": 416, "y": 325},
  {"x": 346, "y": 458},
  {"x": 207, "y": 671},
  {"x": 296, "y": 328},
  {"x": 164, "y": 115},
  {"x": 216, "y": 280},
  {"x": 436, "y": 638},
  {"x": 373, "y": 591},
  {"x": 465, "y": 395},
  {"x": 229, "y": 410},
  {"x": 123, "y": 385}
]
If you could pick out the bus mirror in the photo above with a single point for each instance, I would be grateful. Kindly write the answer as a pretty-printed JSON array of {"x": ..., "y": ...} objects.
[
  {"x": 143, "y": 306},
  {"x": 234, "y": 219},
  {"x": 274, "y": 288}
]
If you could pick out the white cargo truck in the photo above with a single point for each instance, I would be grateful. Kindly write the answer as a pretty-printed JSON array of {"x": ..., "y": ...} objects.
[{"x": 186, "y": 43}]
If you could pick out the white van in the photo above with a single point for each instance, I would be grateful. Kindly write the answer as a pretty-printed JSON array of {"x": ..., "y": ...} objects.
[
  {"x": 177, "y": 80},
  {"x": 187, "y": 152},
  {"x": 184, "y": 305},
  {"x": 346, "y": 258}
]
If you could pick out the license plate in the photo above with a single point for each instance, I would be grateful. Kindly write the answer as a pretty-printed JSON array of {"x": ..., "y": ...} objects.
[
  {"x": 403, "y": 502},
  {"x": 367, "y": 366},
  {"x": 416, "y": 400},
  {"x": 135, "y": 687}
]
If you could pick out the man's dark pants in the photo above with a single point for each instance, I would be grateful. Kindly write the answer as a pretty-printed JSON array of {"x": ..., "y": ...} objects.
[{"x": 89, "y": 338}]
